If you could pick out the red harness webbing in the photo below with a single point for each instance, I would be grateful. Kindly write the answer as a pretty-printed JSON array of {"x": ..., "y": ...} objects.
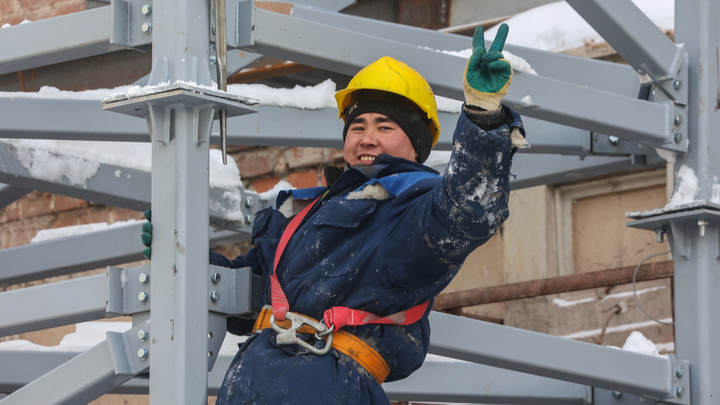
[{"x": 335, "y": 316}]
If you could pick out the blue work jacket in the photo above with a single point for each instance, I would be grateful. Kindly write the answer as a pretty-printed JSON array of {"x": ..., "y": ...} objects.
[{"x": 385, "y": 238}]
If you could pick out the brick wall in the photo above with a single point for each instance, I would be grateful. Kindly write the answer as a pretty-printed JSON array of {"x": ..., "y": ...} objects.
[{"x": 16, "y": 11}]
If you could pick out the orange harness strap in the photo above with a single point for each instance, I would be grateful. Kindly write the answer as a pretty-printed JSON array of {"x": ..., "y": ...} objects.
[{"x": 342, "y": 341}]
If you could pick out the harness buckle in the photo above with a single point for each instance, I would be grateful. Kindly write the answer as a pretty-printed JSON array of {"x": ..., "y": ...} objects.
[{"x": 289, "y": 336}]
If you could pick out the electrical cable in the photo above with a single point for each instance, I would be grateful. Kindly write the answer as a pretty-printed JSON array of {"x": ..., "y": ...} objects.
[{"x": 637, "y": 302}]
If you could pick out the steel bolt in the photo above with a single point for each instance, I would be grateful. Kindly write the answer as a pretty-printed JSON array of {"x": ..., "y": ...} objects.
[
  {"x": 659, "y": 232},
  {"x": 678, "y": 137},
  {"x": 146, "y": 9},
  {"x": 614, "y": 140},
  {"x": 617, "y": 394},
  {"x": 249, "y": 219},
  {"x": 249, "y": 201},
  {"x": 678, "y": 120},
  {"x": 680, "y": 391},
  {"x": 677, "y": 84},
  {"x": 143, "y": 296},
  {"x": 215, "y": 278},
  {"x": 143, "y": 335},
  {"x": 144, "y": 278},
  {"x": 143, "y": 353},
  {"x": 215, "y": 296},
  {"x": 146, "y": 27},
  {"x": 679, "y": 372},
  {"x": 702, "y": 223},
  {"x": 210, "y": 354}
]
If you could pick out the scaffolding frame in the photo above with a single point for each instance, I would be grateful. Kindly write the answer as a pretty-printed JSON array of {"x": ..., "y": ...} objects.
[{"x": 597, "y": 111}]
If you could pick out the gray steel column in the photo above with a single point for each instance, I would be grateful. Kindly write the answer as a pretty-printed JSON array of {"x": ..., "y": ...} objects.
[
  {"x": 695, "y": 245},
  {"x": 179, "y": 303}
]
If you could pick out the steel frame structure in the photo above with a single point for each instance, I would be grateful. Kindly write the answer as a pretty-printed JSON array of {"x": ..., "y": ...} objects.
[{"x": 179, "y": 304}]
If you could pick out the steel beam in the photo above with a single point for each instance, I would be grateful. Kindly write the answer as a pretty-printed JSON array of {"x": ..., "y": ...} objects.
[
  {"x": 68, "y": 37},
  {"x": 553, "y": 100},
  {"x": 81, "y": 379},
  {"x": 552, "y": 357},
  {"x": 613, "y": 77},
  {"x": 108, "y": 247},
  {"x": 10, "y": 194},
  {"x": 633, "y": 36},
  {"x": 131, "y": 190}
]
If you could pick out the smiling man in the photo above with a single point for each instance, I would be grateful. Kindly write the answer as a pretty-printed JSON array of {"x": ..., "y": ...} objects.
[{"x": 351, "y": 269}]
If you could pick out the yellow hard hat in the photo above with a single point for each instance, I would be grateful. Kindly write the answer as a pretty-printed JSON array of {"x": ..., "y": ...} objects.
[{"x": 393, "y": 76}]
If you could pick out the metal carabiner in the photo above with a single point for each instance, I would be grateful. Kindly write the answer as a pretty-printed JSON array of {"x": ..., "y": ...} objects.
[{"x": 289, "y": 336}]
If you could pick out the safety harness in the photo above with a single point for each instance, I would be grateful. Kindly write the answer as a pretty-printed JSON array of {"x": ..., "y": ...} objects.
[{"x": 288, "y": 324}]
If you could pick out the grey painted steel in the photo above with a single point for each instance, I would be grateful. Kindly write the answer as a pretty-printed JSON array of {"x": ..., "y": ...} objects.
[
  {"x": 631, "y": 33},
  {"x": 64, "y": 38},
  {"x": 694, "y": 230},
  {"x": 129, "y": 190},
  {"x": 579, "y": 106},
  {"x": 608, "y": 76},
  {"x": 454, "y": 381},
  {"x": 550, "y": 356},
  {"x": 87, "y": 251},
  {"x": 179, "y": 319},
  {"x": 10, "y": 194},
  {"x": 71, "y": 301},
  {"x": 271, "y": 126},
  {"x": 80, "y": 380}
]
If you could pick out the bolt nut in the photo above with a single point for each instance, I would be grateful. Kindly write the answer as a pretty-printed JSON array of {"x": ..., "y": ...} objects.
[
  {"x": 146, "y": 28},
  {"x": 146, "y": 9},
  {"x": 143, "y": 335},
  {"x": 679, "y": 372},
  {"x": 617, "y": 394},
  {"x": 677, "y": 84},
  {"x": 215, "y": 278},
  {"x": 215, "y": 296},
  {"x": 614, "y": 140},
  {"x": 678, "y": 120},
  {"x": 678, "y": 137},
  {"x": 143, "y": 353},
  {"x": 249, "y": 219},
  {"x": 144, "y": 278},
  {"x": 680, "y": 391},
  {"x": 249, "y": 201},
  {"x": 143, "y": 296}
]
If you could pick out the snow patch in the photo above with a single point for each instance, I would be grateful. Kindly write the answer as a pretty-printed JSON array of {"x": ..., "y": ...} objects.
[
  {"x": 638, "y": 343},
  {"x": 64, "y": 232},
  {"x": 271, "y": 194},
  {"x": 686, "y": 189}
]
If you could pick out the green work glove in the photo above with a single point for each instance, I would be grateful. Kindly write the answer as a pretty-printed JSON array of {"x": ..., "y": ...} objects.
[
  {"x": 488, "y": 73},
  {"x": 147, "y": 235}
]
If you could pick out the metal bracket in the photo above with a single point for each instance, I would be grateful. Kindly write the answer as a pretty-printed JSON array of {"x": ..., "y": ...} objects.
[
  {"x": 674, "y": 92},
  {"x": 240, "y": 16},
  {"x": 680, "y": 390},
  {"x": 130, "y": 350},
  {"x": 157, "y": 103},
  {"x": 234, "y": 291},
  {"x": 128, "y": 290},
  {"x": 679, "y": 223},
  {"x": 131, "y": 23}
]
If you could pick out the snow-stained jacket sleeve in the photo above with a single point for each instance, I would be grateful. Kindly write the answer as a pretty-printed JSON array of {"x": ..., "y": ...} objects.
[{"x": 460, "y": 214}]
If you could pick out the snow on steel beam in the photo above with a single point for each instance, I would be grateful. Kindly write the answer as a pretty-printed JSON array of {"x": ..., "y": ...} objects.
[
  {"x": 107, "y": 184},
  {"x": 107, "y": 247},
  {"x": 552, "y": 357},
  {"x": 631, "y": 33},
  {"x": 613, "y": 77},
  {"x": 68, "y": 37},
  {"x": 345, "y": 51}
]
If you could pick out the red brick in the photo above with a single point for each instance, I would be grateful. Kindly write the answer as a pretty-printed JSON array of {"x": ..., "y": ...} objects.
[
  {"x": 35, "y": 204},
  {"x": 258, "y": 162},
  {"x": 303, "y": 157},
  {"x": 263, "y": 185},
  {"x": 34, "y": 5},
  {"x": 61, "y": 203},
  {"x": 305, "y": 179},
  {"x": 335, "y": 156},
  {"x": 10, "y": 213},
  {"x": 8, "y": 7}
]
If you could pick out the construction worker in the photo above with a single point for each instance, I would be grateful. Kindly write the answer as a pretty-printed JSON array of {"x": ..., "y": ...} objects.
[{"x": 358, "y": 263}]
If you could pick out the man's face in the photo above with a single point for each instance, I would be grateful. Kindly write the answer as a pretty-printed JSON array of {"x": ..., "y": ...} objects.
[{"x": 371, "y": 134}]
